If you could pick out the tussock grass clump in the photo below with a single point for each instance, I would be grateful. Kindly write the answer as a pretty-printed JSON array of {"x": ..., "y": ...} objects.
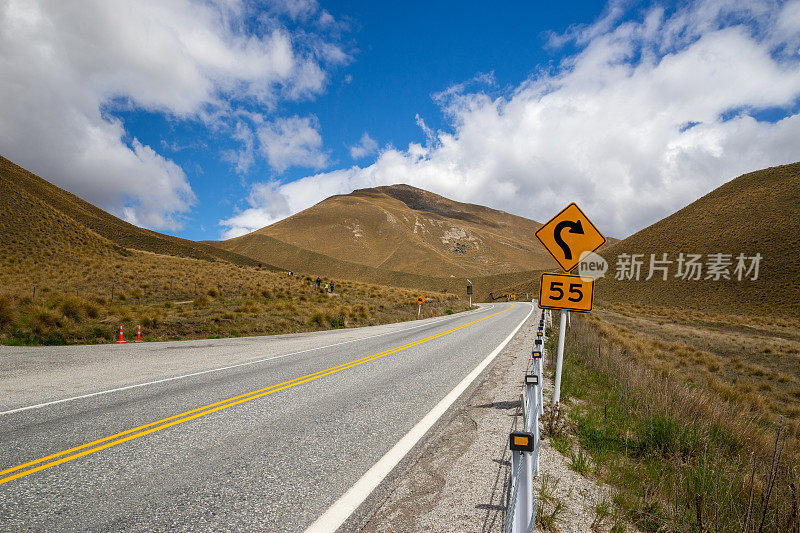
[
  {"x": 42, "y": 320},
  {"x": 7, "y": 313},
  {"x": 201, "y": 302},
  {"x": 318, "y": 318},
  {"x": 74, "y": 307}
]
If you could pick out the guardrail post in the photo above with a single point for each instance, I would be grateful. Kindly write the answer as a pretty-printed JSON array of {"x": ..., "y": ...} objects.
[
  {"x": 532, "y": 386},
  {"x": 522, "y": 447},
  {"x": 559, "y": 358},
  {"x": 537, "y": 368}
]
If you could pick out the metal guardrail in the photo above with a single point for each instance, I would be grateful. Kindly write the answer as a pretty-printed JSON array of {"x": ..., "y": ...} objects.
[{"x": 520, "y": 501}]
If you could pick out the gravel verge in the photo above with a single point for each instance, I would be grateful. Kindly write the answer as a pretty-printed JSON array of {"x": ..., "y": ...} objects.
[{"x": 458, "y": 482}]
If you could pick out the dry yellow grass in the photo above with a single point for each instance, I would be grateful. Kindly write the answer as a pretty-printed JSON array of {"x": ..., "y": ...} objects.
[
  {"x": 85, "y": 300},
  {"x": 63, "y": 281},
  {"x": 752, "y": 363},
  {"x": 680, "y": 456},
  {"x": 754, "y": 213}
]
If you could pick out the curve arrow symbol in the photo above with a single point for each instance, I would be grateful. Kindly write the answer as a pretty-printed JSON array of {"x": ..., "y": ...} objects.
[{"x": 574, "y": 227}]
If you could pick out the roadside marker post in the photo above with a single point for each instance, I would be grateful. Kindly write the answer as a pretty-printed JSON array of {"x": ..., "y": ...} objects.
[
  {"x": 523, "y": 401},
  {"x": 520, "y": 503}
]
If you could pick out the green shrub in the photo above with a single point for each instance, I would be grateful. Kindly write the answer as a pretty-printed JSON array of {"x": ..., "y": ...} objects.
[{"x": 201, "y": 302}]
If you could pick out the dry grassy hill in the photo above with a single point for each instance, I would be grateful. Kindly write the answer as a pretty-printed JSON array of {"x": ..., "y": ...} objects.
[
  {"x": 69, "y": 272},
  {"x": 404, "y": 229},
  {"x": 290, "y": 257},
  {"x": 755, "y": 213},
  {"x": 17, "y": 183}
]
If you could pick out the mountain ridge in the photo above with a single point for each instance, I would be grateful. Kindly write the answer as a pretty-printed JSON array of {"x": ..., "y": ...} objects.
[
  {"x": 407, "y": 229},
  {"x": 15, "y": 180}
]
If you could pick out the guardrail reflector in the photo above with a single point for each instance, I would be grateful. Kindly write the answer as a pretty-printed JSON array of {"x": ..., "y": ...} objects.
[{"x": 521, "y": 441}]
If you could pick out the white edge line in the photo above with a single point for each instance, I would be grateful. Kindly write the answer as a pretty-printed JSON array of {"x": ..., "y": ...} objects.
[
  {"x": 220, "y": 369},
  {"x": 340, "y": 511}
]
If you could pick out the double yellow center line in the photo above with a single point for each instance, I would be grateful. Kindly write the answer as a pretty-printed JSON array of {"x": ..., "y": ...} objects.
[{"x": 55, "y": 459}]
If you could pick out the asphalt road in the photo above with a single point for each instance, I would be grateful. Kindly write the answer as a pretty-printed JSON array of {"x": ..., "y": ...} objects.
[{"x": 269, "y": 443}]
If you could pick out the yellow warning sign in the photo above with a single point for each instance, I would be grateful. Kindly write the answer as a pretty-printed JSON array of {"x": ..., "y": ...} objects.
[{"x": 568, "y": 234}]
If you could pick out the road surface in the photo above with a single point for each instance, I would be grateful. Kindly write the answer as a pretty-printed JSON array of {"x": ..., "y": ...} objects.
[{"x": 263, "y": 433}]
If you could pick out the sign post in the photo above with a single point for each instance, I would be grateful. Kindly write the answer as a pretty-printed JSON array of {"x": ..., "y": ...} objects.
[
  {"x": 420, "y": 301},
  {"x": 566, "y": 236},
  {"x": 469, "y": 292}
]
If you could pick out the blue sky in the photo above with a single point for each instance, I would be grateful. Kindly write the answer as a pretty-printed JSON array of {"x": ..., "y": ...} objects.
[
  {"x": 402, "y": 53},
  {"x": 213, "y": 118}
]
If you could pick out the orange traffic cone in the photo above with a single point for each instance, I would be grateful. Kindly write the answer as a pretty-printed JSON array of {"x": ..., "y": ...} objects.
[
  {"x": 139, "y": 334},
  {"x": 121, "y": 337},
  {"x": 431, "y": 314}
]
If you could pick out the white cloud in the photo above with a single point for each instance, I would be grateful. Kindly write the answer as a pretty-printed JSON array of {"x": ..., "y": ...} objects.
[
  {"x": 264, "y": 199},
  {"x": 609, "y": 128},
  {"x": 365, "y": 146},
  {"x": 244, "y": 157},
  {"x": 296, "y": 9},
  {"x": 65, "y": 65},
  {"x": 292, "y": 141}
]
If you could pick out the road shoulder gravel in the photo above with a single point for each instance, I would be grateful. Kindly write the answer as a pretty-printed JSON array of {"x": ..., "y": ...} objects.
[{"x": 457, "y": 482}]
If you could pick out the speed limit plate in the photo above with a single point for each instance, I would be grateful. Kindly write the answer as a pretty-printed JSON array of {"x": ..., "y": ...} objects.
[{"x": 561, "y": 291}]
